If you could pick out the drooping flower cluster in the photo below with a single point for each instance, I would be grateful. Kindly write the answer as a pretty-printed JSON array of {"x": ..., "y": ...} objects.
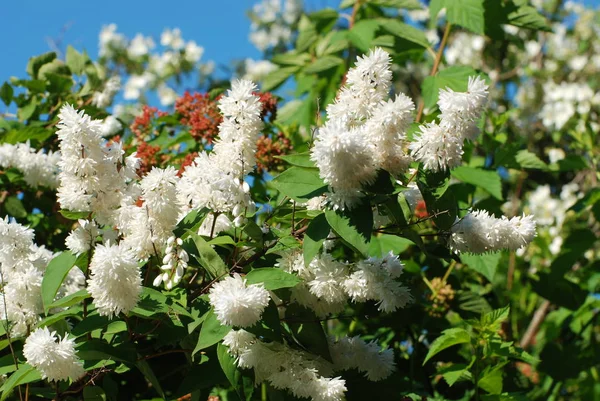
[
  {"x": 365, "y": 131},
  {"x": 440, "y": 146},
  {"x": 272, "y": 23},
  {"x": 368, "y": 358},
  {"x": 215, "y": 180},
  {"x": 175, "y": 262},
  {"x": 479, "y": 232},
  {"x": 115, "y": 282},
  {"x": 236, "y": 303},
  {"x": 40, "y": 169},
  {"x": 52, "y": 356},
  {"x": 105, "y": 98},
  {"x": 301, "y": 373},
  {"x": 92, "y": 176},
  {"x": 328, "y": 284}
]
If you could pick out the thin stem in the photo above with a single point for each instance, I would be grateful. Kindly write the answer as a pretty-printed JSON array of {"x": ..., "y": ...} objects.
[
  {"x": 214, "y": 223},
  {"x": 450, "y": 268},
  {"x": 436, "y": 64},
  {"x": 171, "y": 351}
]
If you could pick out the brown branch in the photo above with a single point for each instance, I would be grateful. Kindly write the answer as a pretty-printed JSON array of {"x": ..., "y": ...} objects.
[
  {"x": 534, "y": 325},
  {"x": 171, "y": 351}
]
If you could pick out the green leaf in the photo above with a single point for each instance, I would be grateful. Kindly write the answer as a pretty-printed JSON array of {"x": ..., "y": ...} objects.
[
  {"x": 405, "y": 31},
  {"x": 491, "y": 379},
  {"x": 148, "y": 373},
  {"x": 14, "y": 207},
  {"x": 455, "y": 78},
  {"x": 455, "y": 373},
  {"x": 211, "y": 332},
  {"x": 278, "y": 77},
  {"x": 93, "y": 393},
  {"x": 6, "y": 93},
  {"x": 506, "y": 397},
  {"x": 291, "y": 58},
  {"x": 74, "y": 215},
  {"x": 96, "y": 349},
  {"x": 26, "y": 111},
  {"x": 190, "y": 223},
  {"x": 233, "y": 374},
  {"x": 485, "y": 264},
  {"x": 70, "y": 300},
  {"x": 27, "y": 134},
  {"x": 353, "y": 228},
  {"x": 300, "y": 184},
  {"x": 407, "y": 4},
  {"x": 25, "y": 374},
  {"x": 307, "y": 34},
  {"x": 485, "y": 179},
  {"x": 35, "y": 63},
  {"x": 385, "y": 243},
  {"x": 526, "y": 159},
  {"x": 208, "y": 258},
  {"x": 272, "y": 277},
  {"x": 55, "y": 273},
  {"x": 316, "y": 233},
  {"x": 467, "y": 13},
  {"x": 75, "y": 60},
  {"x": 299, "y": 159},
  {"x": 59, "y": 83},
  {"x": 449, "y": 338},
  {"x": 529, "y": 17},
  {"x": 322, "y": 64},
  {"x": 362, "y": 34},
  {"x": 307, "y": 330},
  {"x": 559, "y": 291},
  {"x": 492, "y": 321}
]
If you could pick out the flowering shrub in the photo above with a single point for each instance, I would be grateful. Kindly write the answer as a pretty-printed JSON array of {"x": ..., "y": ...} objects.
[{"x": 418, "y": 221}]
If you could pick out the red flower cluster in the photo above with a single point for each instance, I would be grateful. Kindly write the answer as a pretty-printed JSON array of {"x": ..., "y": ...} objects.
[
  {"x": 142, "y": 128},
  {"x": 187, "y": 161},
  {"x": 269, "y": 103},
  {"x": 201, "y": 114},
  {"x": 267, "y": 151}
]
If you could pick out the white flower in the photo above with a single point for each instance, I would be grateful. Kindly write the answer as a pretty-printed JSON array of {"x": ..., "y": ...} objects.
[
  {"x": 478, "y": 232},
  {"x": 556, "y": 154},
  {"x": 110, "y": 41},
  {"x": 354, "y": 353},
  {"x": 139, "y": 46},
  {"x": 83, "y": 237},
  {"x": 209, "y": 226},
  {"x": 172, "y": 39},
  {"x": 38, "y": 168},
  {"x": 327, "y": 279},
  {"x": 110, "y": 126},
  {"x": 105, "y": 98},
  {"x": 135, "y": 84},
  {"x": 52, "y": 356},
  {"x": 115, "y": 283},
  {"x": 238, "y": 304},
  {"x": 166, "y": 95},
  {"x": 257, "y": 70},
  {"x": 437, "y": 148},
  {"x": 193, "y": 52}
]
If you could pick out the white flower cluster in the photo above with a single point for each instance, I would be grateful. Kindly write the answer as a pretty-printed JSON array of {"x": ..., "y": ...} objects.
[
  {"x": 175, "y": 263},
  {"x": 105, "y": 98},
  {"x": 272, "y": 23},
  {"x": 561, "y": 102},
  {"x": 53, "y": 357},
  {"x": 328, "y": 284},
  {"x": 236, "y": 303},
  {"x": 39, "y": 169},
  {"x": 175, "y": 58},
  {"x": 82, "y": 238},
  {"x": 257, "y": 70},
  {"x": 302, "y": 374},
  {"x": 440, "y": 146},
  {"x": 147, "y": 228},
  {"x": 479, "y": 232},
  {"x": 115, "y": 281},
  {"x": 215, "y": 180},
  {"x": 92, "y": 175},
  {"x": 365, "y": 131},
  {"x": 22, "y": 265},
  {"x": 368, "y": 358}
]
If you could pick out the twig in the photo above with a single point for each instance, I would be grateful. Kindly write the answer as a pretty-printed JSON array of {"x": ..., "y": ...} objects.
[
  {"x": 171, "y": 351},
  {"x": 534, "y": 325}
]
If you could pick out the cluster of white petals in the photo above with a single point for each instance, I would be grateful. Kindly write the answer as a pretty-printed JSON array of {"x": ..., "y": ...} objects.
[
  {"x": 236, "y": 303},
  {"x": 40, "y": 169},
  {"x": 479, "y": 232},
  {"x": 365, "y": 131},
  {"x": 82, "y": 238},
  {"x": 147, "y": 227},
  {"x": 215, "y": 180},
  {"x": 92, "y": 175},
  {"x": 440, "y": 146},
  {"x": 175, "y": 262},
  {"x": 105, "y": 98},
  {"x": 368, "y": 358},
  {"x": 115, "y": 281},
  {"x": 53, "y": 357},
  {"x": 328, "y": 284},
  {"x": 302, "y": 374}
]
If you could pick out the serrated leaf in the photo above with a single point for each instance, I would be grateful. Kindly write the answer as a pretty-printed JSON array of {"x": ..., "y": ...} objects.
[
  {"x": 488, "y": 180},
  {"x": 55, "y": 273},
  {"x": 466, "y": 13},
  {"x": 354, "y": 228},
  {"x": 526, "y": 159},
  {"x": 455, "y": 372},
  {"x": 491, "y": 379},
  {"x": 385, "y": 243},
  {"x": 272, "y": 278},
  {"x": 449, "y": 338},
  {"x": 208, "y": 258},
  {"x": 362, "y": 34},
  {"x": 493, "y": 320},
  {"x": 405, "y": 31},
  {"x": 299, "y": 159},
  {"x": 528, "y": 17},
  {"x": 455, "y": 78},
  {"x": 211, "y": 332},
  {"x": 278, "y": 77}
]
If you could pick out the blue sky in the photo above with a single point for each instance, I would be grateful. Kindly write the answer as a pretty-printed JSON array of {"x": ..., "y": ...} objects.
[{"x": 220, "y": 26}]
